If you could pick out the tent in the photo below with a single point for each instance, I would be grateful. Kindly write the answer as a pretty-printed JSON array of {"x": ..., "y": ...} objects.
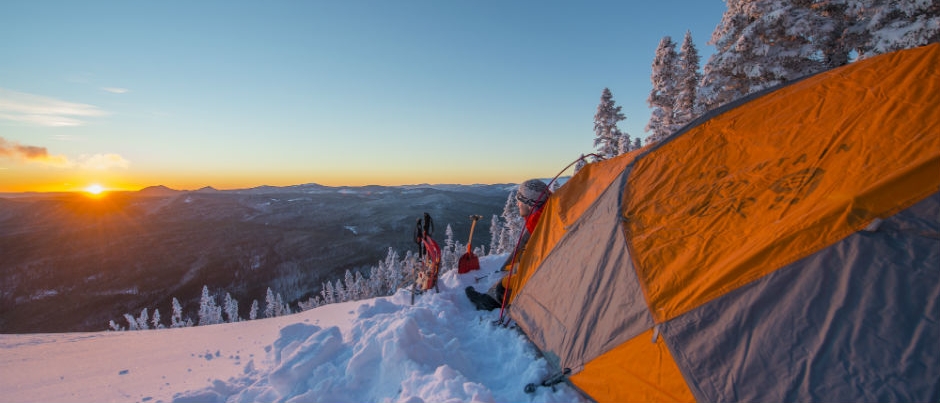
[{"x": 785, "y": 248}]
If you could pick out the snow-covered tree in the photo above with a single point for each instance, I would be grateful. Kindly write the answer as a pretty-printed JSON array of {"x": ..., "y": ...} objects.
[
  {"x": 270, "y": 304},
  {"x": 352, "y": 289},
  {"x": 116, "y": 327},
  {"x": 156, "y": 320},
  {"x": 687, "y": 80},
  {"x": 231, "y": 308},
  {"x": 606, "y": 134},
  {"x": 512, "y": 225},
  {"x": 253, "y": 312},
  {"x": 176, "y": 319},
  {"x": 143, "y": 320},
  {"x": 341, "y": 294},
  {"x": 495, "y": 232},
  {"x": 210, "y": 312},
  {"x": 281, "y": 308},
  {"x": 329, "y": 295},
  {"x": 891, "y": 25},
  {"x": 662, "y": 98},
  {"x": 131, "y": 322},
  {"x": 363, "y": 291},
  {"x": 762, "y": 43},
  {"x": 394, "y": 270}
]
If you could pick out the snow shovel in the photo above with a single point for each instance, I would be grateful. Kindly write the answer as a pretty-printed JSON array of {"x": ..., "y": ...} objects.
[{"x": 469, "y": 262}]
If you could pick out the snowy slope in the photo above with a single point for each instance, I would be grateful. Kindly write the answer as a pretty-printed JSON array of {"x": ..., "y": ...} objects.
[{"x": 384, "y": 349}]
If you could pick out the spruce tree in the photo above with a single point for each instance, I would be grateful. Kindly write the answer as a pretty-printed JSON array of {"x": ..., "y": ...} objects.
[
  {"x": 231, "y": 308},
  {"x": 606, "y": 134},
  {"x": 176, "y": 318},
  {"x": 143, "y": 320},
  {"x": 270, "y": 304},
  {"x": 131, "y": 321},
  {"x": 763, "y": 43},
  {"x": 351, "y": 289},
  {"x": 687, "y": 81},
  {"x": 662, "y": 98},
  {"x": 156, "y": 319},
  {"x": 512, "y": 225},
  {"x": 253, "y": 312},
  {"x": 494, "y": 234},
  {"x": 891, "y": 25}
]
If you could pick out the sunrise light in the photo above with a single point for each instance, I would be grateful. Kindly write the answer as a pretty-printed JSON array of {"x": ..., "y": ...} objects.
[{"x": 94, "y": 189}]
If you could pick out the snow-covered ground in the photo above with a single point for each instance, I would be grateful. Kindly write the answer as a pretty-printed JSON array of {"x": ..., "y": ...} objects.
[{"x": 438, "y": 350}]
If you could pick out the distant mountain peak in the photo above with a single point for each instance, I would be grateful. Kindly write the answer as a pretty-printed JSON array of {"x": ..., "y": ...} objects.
[{"x": 157, "y": 191}]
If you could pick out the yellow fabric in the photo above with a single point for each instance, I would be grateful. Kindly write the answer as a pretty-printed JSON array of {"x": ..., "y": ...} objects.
[
  {"x": 636, "y": 371},
  {"x": 562, "y": 209},
  {"x": 782, "y": 176}
]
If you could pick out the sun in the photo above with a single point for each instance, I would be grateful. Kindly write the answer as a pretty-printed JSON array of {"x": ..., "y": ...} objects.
[{"x": 94, "y": 189}]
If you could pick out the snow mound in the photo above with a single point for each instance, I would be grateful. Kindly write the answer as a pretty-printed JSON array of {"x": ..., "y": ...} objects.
[{"x": 438, "y": 350}]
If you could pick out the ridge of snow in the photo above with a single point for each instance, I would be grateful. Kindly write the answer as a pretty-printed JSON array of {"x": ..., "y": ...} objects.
[{"x": 384, "y": 349}]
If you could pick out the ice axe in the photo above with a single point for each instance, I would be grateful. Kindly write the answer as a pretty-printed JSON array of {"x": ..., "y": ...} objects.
[{"x": 469, "y": 261}]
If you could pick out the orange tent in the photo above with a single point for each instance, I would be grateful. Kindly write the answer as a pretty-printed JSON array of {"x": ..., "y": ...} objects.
[{"x": 784, "y": 248}]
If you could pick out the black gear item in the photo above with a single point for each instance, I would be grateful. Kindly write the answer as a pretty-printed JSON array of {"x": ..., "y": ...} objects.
[{"x": 482, "y": 301}]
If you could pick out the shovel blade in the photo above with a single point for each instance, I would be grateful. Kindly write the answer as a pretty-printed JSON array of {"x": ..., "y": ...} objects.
[{"x": 467, "y": 263}]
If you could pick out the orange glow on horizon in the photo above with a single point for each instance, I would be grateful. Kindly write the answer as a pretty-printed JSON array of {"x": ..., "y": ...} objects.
[{"x": 95, "y": 189}]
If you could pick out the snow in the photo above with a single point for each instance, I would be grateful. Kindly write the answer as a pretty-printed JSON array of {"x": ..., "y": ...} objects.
[{"x": 385, "y": 349}]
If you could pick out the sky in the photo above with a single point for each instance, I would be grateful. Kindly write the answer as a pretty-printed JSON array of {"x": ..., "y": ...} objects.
[
  {"x": 438, "y": 350},
  {"x": 238, "y": 94}
]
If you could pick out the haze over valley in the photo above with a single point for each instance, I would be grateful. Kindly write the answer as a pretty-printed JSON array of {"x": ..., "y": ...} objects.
[{"x": 72, "y": 262}]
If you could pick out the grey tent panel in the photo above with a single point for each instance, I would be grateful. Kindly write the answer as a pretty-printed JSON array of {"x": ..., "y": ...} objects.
[
  {"x": 858, "y": 321},
  {"x": 585, "y": 298}
]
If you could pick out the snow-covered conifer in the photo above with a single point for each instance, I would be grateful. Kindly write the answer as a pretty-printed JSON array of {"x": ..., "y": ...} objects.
[
  {"x": 512, "y": 225},
  {"x": 763, "y": 43},
  {"x": 393, "y": 274},
  {"x": 340, "y": 291},
  {"x": 891, "y": 25},
  {"x": 270, "y": 304},
  {"x": 176, "y": 318},
  {"x": 580, "y": 163},
  {"x": 328, "y": 293},
  {"x": 143, "y": 320},
  {"x": 494, "y": 233},
  {"x": 231, "y": 308},
  {"x": 253, "y": 312},
  {"x": 210, "y": 312},
  {"x": 687, "y": 80},
  {"x": 606, "y": 133},
  {"x": 131, "y": 322},
  {"x": 156, "y": 319},
  {"x": 662, "y": 98},
  {"x": 352, "y": 293},
  {"x": 363, "y": 291},
  {"x": 280, "y": 307}
]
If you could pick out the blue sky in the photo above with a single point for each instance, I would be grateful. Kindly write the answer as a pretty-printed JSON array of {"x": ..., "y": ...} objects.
[{"x": 243, "y": 94}]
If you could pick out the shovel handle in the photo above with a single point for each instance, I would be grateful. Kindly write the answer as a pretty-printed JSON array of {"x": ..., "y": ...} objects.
[{"x": 473, "y": 225}]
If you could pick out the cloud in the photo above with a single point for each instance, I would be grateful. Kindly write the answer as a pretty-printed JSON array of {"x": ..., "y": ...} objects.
[
  {"x": 102, "y": 162},
  {"x": 115, "y": 90},
  {"x": 44, "y": 111},
  {"x": 39, "y": 155},
  {"x": 14, "y": 150}
]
